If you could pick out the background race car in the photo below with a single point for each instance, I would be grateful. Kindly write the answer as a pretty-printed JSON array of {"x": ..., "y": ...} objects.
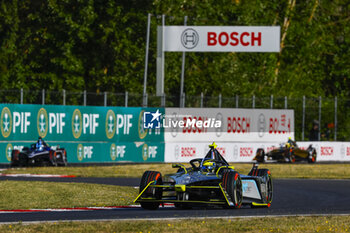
[
  {"x": 288, "y": 152},
  {"x": 210, "y": 181},
  {"x": 34, "y": 156}
]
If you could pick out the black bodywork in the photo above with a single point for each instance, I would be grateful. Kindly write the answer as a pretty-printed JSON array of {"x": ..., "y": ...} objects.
[
  {"x": 215, "y": 185},
  {"x": 33, "y": 156}
]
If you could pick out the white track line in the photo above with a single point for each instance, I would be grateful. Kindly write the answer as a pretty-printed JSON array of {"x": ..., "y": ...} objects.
[
  {"x": 176, "y": 218},
  {"x": 28, "y": 211},
  {"x": 37, "y": 175}
]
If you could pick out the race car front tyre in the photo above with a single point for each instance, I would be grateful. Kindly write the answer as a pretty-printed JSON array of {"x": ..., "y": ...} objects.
[
  {"x": 63, "y": 158},
  {"x": 154, "y": 193},
  {"x": 312, "y": 157},
  {"x": 267, "y": 183},
  {"x": 260, "y": 155},
  {"x": 232, "y": 184},
  {"x": 23, "y": 160}
]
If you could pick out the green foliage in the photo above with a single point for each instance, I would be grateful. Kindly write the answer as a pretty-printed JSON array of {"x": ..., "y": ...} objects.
[{"x": 100, "y": 46}]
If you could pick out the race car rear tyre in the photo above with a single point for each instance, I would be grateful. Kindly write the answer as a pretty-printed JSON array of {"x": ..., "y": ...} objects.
[
  {"x": 267, "y": 181},
  {"x": 155, "y": 193},
  {"x": 312, "y": 157},
  {"x": 63, "y": 158},
  {"x": 14, "y": 158},
  {"x": 23, "y": 160},
  {"x": 52, "y": 158},
  {"x": 260, "y": 155},
  {"x": 232, "y": 183}
]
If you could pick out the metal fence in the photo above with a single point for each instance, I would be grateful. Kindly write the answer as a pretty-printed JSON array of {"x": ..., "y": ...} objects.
[{"x": 331, "y": 114}]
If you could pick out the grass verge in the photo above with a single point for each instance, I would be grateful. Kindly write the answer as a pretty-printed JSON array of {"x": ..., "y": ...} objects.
[
  {"x": 279, "y": 224},
  {"x": 305, "y": 171},
  {"x": 37, "y": 194}
]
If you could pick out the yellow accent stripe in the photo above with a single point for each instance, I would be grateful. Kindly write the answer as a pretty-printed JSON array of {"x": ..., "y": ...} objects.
[
  {"x": 223, "y": 192},
  {"x": 217, "y": 172},
  {"x": 143, "y": 191},
  {"x": 188, "y": 187},
  {"x": 259, "y": 204},
  {"x": 202, "y": 187},
  {"x": 162, "y": 186},
  {"x": 180, "y": 201},
  {"x": 181, "y": 165}
]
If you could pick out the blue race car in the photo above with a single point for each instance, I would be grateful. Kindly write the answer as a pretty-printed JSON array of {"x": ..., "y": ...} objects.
[
  {"x": 210, "y": 181},
  {"x": 39, "y": 154}
]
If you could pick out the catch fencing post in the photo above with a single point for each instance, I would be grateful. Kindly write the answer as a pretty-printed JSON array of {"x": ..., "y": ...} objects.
[
  {"x": 145, "y": 100},
  {"x": 21, "y": 95},
  {"x": 271, "y": 101},
  {"x": 253, "y": 101},
  {"x": 202, "y": 96},
  {"x": 105, "y": 98},
  {"x": 303, "y": 120},
  {"x": 335, "y": 117},
  {"x": 162, "y": 100},
  {"x": 64, "y": 97},
  {"x": 84, "y": 97},
  {"x": 126, "y": 98},
  {"x": 220, "y": 100},
  {"x": 237, "y": 101},
  {"x": 183, "y": 100},
  {"x": 285, "y": 102},
  {"x": 319, "y": 117},
  {"x": 43, "y": 97}
]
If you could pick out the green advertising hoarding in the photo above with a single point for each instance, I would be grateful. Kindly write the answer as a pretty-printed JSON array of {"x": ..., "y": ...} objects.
[{"x": 89, "y": 134}]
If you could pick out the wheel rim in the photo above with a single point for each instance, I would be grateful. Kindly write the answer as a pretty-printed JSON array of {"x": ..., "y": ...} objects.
[
  {"x": 269, "y": 192},
  {"x": 314, "y": 156},
  {"x": 238, "y": 192}
]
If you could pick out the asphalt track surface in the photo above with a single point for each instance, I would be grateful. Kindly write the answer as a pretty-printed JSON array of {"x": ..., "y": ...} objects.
[{"x": 291, "y": 197}]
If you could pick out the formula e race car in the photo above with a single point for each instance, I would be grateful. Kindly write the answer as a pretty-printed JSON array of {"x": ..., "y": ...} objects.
[
  {"x": 210, "y": 181},
  {"x": 39, "y": 155},
  {"x": 288, "y": 152}
]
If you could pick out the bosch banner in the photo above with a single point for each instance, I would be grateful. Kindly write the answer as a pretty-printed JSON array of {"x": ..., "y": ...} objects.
[
  {"x": 245, "y": 152},
  {"x": 89, "y": 134},
  {"x": 221, "y": 39},
  {"x": 228, "y": 125}
]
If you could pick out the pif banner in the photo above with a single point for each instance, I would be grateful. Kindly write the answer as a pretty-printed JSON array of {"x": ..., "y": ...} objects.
[{"x": 90, "y": 130}]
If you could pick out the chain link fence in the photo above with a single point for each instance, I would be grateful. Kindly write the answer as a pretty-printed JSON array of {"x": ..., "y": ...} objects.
[{"x": 330, "y": 114}]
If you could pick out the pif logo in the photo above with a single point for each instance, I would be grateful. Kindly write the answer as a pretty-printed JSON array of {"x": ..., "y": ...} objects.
[
  {"x": 113, "y": 151},
  {"x": 144, "y": 152},
  {"x": 142, "y": 130},
  {"x": 6, "y": 122},
  {"x": 80, "y": 152},
  {"x": 42, "y": 123},
  {"x": 110, "y": 124},
  {"x": 9, "y": 149},
  {"x": 149, "y": 152},
  {"x": 76, "y": 123}
]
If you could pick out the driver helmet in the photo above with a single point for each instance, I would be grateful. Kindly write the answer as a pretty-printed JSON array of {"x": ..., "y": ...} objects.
[
  {"x": 209, "y": 165},
  {"x": 40, "y": 144}
]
